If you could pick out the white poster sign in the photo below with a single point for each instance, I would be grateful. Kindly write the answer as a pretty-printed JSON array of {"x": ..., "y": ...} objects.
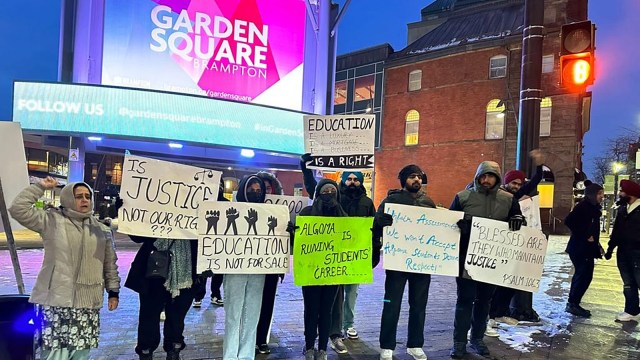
[
  {"x": 498, "y": 256},
  {"x": 13, "y": 171},
  {"x": 422, "y": 240},
  {"x": 530, "y": 208},
  {"x": 243, "y": 238},
  {"x": 294, "y": 203},
  {"x": 340, "y": 141},
  {"x": 161, "y": 198}
]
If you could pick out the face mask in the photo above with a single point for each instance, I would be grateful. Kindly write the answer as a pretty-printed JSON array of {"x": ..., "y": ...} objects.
[
  {"x": 327, "y": 199},
  {"x": 254, "y": 196}
]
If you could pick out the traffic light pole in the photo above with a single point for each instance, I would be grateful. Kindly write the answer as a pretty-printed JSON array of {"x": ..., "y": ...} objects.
[{"x": 530, "y": 85}]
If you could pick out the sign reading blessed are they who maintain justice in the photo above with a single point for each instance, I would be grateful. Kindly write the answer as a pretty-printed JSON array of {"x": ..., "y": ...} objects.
[
  {"x": 340, "y": 141},
  {"x": 499, "y": 256},
  {"x": 422, "y": 240},
  {"x": 161, "y": 198},
  {"x": 332, "y": 251},
  {"x": 243, "y": 238}
]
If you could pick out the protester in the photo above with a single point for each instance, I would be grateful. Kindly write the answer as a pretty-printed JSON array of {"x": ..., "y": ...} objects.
[
  {"x": 243, "y": 291},
  {"x": 584, "y": 245},
  {"x": 79, "y": 264},
  {"x": 319, "y": 299},
  {"x": 626, "y": 237},
  {"x": 485, "y": 200},
  {"x": 411, "y": 180},
  {"x": 272, "y": 186}
]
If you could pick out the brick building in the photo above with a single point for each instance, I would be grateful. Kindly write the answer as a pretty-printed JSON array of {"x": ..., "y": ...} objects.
[{"x": 451, "y": 98}]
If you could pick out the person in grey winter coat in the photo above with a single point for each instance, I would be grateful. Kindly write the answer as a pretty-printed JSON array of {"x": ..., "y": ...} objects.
[{"x": 79, "y": 265}]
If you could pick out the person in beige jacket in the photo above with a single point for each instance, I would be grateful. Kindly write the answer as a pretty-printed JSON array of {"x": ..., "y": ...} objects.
[{"x": 79, "y": 264}]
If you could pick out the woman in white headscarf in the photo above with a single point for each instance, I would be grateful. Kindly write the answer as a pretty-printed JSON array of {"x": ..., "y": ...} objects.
[{"x": 79, "y": 265}]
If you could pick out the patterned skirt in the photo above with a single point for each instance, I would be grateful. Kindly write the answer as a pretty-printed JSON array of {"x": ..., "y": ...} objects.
[{"x": 70, "y": 328}]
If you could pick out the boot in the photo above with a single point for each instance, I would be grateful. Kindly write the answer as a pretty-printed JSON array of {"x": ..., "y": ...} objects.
[
  {"x": 459, "y": 350},
  {"x": 145, "y": 355},
  {"x": 173, "y": 355}
]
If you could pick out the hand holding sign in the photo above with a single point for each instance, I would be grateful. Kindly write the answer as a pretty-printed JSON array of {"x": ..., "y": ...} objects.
[
  {"x": 252, "y": 218},
  {"x": 232, "y": 215}
]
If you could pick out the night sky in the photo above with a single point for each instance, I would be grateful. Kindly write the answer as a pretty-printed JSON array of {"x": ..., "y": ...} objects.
[{"x": 30, "y": 39}]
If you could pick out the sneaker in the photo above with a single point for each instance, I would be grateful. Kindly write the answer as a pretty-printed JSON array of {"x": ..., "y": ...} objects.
[
  {"x": 263, "y": 349},
  {"x": 197, "y": 304},
  {"x": 492, "y": 324},
  {"x": 217, "y": 301},
  {"x": 491, "y": 332},
  {"x": 480, "y": 347},
  {"x": 459, "y": 350},
  {"x": 163, "y": 316},
  {"x": 321, "y": 355},
  {"x": 337, "y": 345},
  {"x": 386, "y": 354},
  {"x": 309, "y": 354},
  {"x": 417, "y": 353},
  {"x": 624, "y": 316},
  {"x": 529, "y": 317},
  {"x": 507, "y": 320},
  {"x": 352, "y": 333},
  {"x": 173, "y": 355},
  {"x": 577, "y": 310},
  {"x": 146, "y": 355}
]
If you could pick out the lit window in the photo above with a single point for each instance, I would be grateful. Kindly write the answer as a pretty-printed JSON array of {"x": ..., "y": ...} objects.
[
  {"x": 545, "y": 117},
  {"x": 340, "y": 96},
  {"x": 365, "y": 88},
  {"x": 494, "y": 120},
  {"x": 412, "y": 120},
  {"x": 415, "y": 80},
  {"x": 547, "y": 64},
  {"x": 498, "y": 67}
]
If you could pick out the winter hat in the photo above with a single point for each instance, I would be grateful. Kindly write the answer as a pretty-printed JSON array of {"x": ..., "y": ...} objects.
[
  {"x": 591, "y": 192},
  {"x": 513, "y": 175},
  {"x": 408, "y": 170},
  {"x": 358, "y": 174},
  {"x": 630, "y": 188}
]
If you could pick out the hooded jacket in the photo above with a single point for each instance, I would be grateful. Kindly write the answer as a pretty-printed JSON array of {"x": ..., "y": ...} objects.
[
  {"x": 356, "y": 203},
  {"x": 243, "y": 187},
  {"x": 59, "y": 281},
  {"x": 276, "y": 185},
  {"x": 316, "y": 208},
  {"x": 584, "y": 222}
]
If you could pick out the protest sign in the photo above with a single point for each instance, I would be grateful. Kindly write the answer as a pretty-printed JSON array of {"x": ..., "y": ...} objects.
[
  {"x": 422, "y": 240},
  {"x": 332, "y": 251},
  {"x": 340, "y": 141},
  {"x": 530, "y": 208},
  {"x": 13, "y": 171},
  {"x": 161, "y": 198},
  {"x": 294, "y": 203},
  {"x": 250, "y": 239},
  {"x": 498, "y": 256}
]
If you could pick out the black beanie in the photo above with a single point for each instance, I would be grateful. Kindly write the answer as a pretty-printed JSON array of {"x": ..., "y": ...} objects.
[
  {"x": 591, "y": 191},
  {"x": 408, "y": 170}
]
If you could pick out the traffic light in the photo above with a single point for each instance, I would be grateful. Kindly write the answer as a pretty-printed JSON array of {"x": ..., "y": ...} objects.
[{"x": 577, "y": 46}]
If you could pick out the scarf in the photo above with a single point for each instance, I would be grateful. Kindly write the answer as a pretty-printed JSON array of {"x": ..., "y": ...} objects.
[{"x": 180, "y": 276}]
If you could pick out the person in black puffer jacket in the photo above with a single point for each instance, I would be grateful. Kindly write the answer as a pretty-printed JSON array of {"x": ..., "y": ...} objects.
[{"x": 584, "y": 245}]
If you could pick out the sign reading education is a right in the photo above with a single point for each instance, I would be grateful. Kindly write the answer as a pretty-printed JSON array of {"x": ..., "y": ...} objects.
[{"x": 499, "y": 256}]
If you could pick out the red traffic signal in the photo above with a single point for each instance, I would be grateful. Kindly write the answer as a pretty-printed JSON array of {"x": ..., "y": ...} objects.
[{"x": 577, "y": 55}]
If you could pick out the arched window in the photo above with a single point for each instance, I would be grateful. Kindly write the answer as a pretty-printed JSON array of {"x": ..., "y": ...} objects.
[
  {"x": 494, "y": 128},
  {"x": 411, "y": 123},
  {"x": 415, "y": 80},
  {"x": 545, "y": 117},
  {"x": 497, "y": 67}
]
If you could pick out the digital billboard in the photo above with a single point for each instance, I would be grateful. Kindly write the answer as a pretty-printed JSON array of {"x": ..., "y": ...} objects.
[
  {"x": 242, "y": 50},
  {"x": 138, "y": 114}
]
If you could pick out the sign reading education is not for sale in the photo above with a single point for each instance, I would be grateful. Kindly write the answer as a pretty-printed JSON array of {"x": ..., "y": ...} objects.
[
  {"x": 161, "y": 198},
  {"x": 340, "y": 141},
  {"x": 332, "y": 251},
  {"x": 499, "y": 256},
  {"x": 243, "y": 238}
]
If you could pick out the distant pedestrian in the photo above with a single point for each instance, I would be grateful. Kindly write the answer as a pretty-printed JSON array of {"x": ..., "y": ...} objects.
[
  {"x": 584, "y": 245},
  {"x": 79, "y": 265}
]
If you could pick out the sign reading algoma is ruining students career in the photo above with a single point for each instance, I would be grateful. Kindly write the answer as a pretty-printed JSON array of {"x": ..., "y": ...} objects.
[
  {"x": 243, "y": 238},
  {"x": 332, "y": 251},
  {"x": 422, "y": 240},
  {"x": 340, "y": 141},
  {"x": 161, "y": 198},
  {"x": 499, "y": 256}
]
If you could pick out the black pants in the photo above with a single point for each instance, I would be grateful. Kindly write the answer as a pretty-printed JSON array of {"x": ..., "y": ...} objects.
[
  {"x": 151, "y": 304},
  {"x": 629, "y": 267},
  {"x": 581, "y": 278},
  {"x": 200, "y": 289},
  {"x": 521, "y": 304},
  {"x": 335, "y": 330},
  {"x": 418, "y": 295},
  {"x": 472, "y": 309},
  {"x": 318, "y": 301},
  {"x": 500, "y": 302},
  {"x": 266, "y": 311}
]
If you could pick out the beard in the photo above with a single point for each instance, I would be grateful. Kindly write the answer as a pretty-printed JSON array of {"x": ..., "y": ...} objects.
[
  {"x": 352, "y": 188},
  {"x": 414, "y": 188}
]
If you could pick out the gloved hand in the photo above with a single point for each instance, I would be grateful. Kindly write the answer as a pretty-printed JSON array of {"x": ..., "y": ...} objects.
[
  {"x": 118, "y": 203},
  {"x": 465, "y": 226},
  {"x": 516, "y": 222},
  {"x": 384, "y": 220},
  {"x": 306, "y": 157},
  {"x": 291, "y": 228},
  {"x": 608, "y": 254},
  {"x": 375, "y": 258}
]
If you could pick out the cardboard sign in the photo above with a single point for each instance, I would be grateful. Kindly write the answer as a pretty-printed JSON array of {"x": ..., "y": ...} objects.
[
  {"x": 14, "y": 169},
  {"x": 161, "y": 198},
  {"x": 294, "y": 203},
  {"x": 340, "y": 141},
  {"x": 243, "y": 238},
  {"x": 422, "y": 240},
  {"x": 498, "y": 256},
  {"x": 332, "y": 251},
  {"x": 530, "y": 208}
]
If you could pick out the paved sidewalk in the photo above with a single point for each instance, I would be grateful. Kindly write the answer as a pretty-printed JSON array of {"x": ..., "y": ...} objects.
[{"x": 559, "y": 337}]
